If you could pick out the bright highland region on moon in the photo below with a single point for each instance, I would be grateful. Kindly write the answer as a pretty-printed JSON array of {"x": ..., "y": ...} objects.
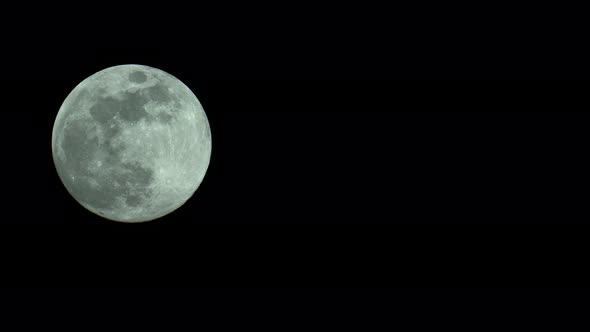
[{"x": 131, "y": 143}]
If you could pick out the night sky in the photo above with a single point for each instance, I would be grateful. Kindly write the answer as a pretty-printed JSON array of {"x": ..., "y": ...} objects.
[{"x": 341, "y": 158}]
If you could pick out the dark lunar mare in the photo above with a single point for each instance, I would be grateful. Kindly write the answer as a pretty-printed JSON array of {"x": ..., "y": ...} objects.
[
  {"x": 130, "y": 109},
  {"x": 80, "y": 151},
  {"x": 137, "y": 77}
]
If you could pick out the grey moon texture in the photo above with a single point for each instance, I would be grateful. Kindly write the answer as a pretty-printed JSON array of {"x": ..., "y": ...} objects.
[{"x": 131, "y": 143}]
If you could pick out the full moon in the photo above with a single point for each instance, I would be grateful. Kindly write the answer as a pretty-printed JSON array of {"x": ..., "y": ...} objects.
[{"x": 131, "y": 143}]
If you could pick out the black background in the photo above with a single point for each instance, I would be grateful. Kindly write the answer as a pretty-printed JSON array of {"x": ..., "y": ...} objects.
[{"x": 347, "y": 152}]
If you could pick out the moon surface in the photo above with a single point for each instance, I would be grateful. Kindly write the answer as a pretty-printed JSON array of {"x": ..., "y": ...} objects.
[{"x": 131, "y": 143}]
